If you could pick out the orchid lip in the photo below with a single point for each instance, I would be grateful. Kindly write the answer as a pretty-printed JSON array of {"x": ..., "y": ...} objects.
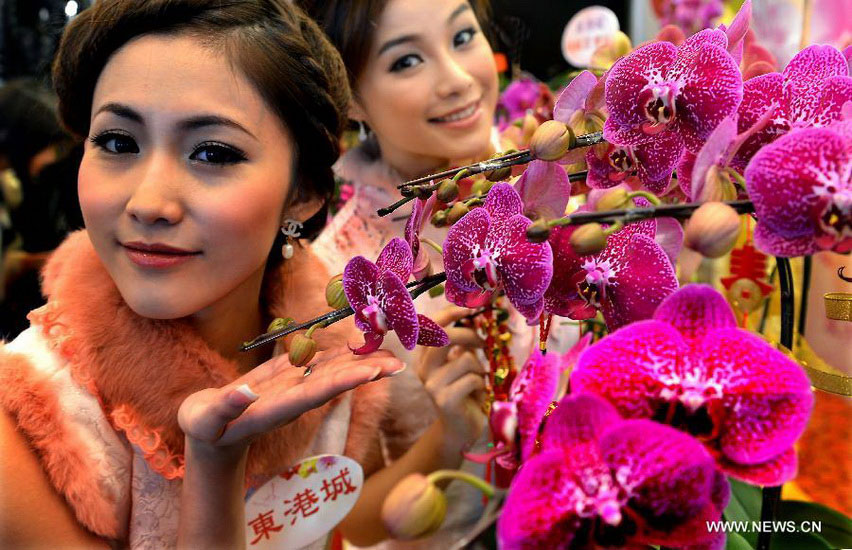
[
  {"x": 658, "y": 102},
  {"x": 374, "y": 316}
]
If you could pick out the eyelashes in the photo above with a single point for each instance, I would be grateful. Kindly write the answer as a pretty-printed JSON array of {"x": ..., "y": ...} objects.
[
  {"x": 213, "y": 153},
  {"x": 460, "y": 39}
]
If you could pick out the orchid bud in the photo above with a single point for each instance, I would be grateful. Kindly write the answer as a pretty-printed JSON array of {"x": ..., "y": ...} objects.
[
  {"x": 528, "y": 127},
  {"x": 448, "y": 191},
  {"x": 439, "y": 218},
  {"x": 302, "y": 350},
  {"x": 614, "y": 199},
  {"x": 552, "y": 140},
  {"x": 712, "y": 230},
  {"x": 538, "y": 231},
  {"x": 279, "y": 323},
  {"x": 334, "y": 295},
  {"x": 500, "y": 174},
  {"x": 717, "y": 187},
  {"x": 422, "y": 192},
  {"x": 458, "y": 210},
  {"x": 481, "y": 187},
  {"x": 414, "y": 508},
  {"x": 588, "y": 239}
]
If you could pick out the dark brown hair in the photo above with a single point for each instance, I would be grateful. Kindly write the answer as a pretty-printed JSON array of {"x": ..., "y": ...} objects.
[
  {"x": 351, "y": 27},
  {"x": 281, "y": 51}
]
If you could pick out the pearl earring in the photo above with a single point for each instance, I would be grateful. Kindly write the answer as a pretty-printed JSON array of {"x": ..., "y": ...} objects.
[{"x": 291, "y": 229}]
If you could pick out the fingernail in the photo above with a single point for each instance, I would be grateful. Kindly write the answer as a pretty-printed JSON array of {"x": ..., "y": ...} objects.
[
  {"x": 394, "y": 373},
  {"x": 242, "y": 396},
  {"x": 376, "y": 373}
]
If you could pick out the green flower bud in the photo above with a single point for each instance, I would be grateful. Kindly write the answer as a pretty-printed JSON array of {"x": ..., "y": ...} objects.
[
  {"x": 302, "y": 350},
  {"x": 279, "y": 323},
  {"x": 448, "y": 191},
  {"x": 439, "y": 218},
  {"x": 538, "y": 231},
  {"x": 414, "y": 508},
  {"x": 334, "y": 295},
  {"x": 614, "y": 199},
  {"x": 458, "y": 210},
  {"x": 588, "y": 239},
  {"x": 552, "y": 140}
]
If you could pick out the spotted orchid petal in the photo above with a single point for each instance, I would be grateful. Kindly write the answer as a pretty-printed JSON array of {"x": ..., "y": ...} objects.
[
  {"x": 652, "y": 162},
  {"x": 805, "y": 75},
  {"x": 712, "y": 153},
  {"x": 359, "y": 281},
  {"x": 759, "y": 96},
  {"x": 645, "y": 279},
  {"x": 577, "y": 421},
  {"x": 431, "y": 333},
  {"x": 398, "y": 307},
  {"x": 525, "y": 267},
  {"x": 712, "y": 90},
  {"x": 420, "y": 211},
  {"x": 836, "y": 91},
  {"x": 396, "y": 258},
  {"x": 544, "y": 189},
  {"x": 696, "y": 310},
  {"x": 802, "y": 192},
  {"x": 372, "y": 342},
  {"x": 669, "y": 236},
  {"x": 648, "y": 64},
  {"x": 464, "y": 239},
  {"x": 502, "y": 203},
  {"x": 738, "y": 29},
  {"x": 532, "y": 391}
]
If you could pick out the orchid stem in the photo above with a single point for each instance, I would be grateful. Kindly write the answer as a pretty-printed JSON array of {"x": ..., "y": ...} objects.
[
  {"x": 417, "y": 288},
  {"x": 435, "y": 246},
  {"x": 510, "y": 159},
  {"x": 772, "y": 495},
  {"x": 440, "y": 475},
  {"x": 652, "y": 198},
  {"x": 680, "y": 211}
]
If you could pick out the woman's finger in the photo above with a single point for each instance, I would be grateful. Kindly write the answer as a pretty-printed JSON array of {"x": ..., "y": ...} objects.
[
  {"x": 272, "y": 411},
  {"x": 204, "y": 415},
  {"x": 454, "y": 370},
  {"x": 449, "y": 315},
  {"x": 452, "y": 396}
]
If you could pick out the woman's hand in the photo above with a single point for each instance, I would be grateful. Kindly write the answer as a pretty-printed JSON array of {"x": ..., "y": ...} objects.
[
  {"x": 454, "y": 378},
  {"x": 223, "y": 421}
]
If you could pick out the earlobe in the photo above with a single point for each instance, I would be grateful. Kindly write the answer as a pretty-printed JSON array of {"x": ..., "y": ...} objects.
[{"x": 356, "y": 111}]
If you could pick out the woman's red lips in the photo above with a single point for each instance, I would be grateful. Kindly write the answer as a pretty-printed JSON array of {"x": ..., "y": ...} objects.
[{"x": 157, "y": 255}]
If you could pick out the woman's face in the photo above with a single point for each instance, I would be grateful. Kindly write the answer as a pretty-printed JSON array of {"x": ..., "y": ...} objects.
[
  {"x": 184, "y": 178},
  {"x": 429, "y": 88}
]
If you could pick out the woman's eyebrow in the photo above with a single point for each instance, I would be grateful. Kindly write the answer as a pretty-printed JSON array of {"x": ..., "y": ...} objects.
[
  {"x": 463, "y": 7},
  {"x": 203, "y": 121},
  {"x": 119, "y": 109}
]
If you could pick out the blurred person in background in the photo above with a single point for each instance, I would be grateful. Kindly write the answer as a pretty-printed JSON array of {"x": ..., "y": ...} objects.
[{"x": 39, "y": 163}]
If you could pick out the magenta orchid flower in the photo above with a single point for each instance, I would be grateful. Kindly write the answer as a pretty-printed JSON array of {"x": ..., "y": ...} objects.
[
  {"x": 801, "y": 186},
  {"x": 515, "y": 422},
  {"x": 659, "y": 87},
  {"x": 381, "y": 302},
  {"x": 600, "y": 481},
  {"x": 650, "y": 164},
  {"x": 522, "y": 96},
  {"x": 487, "y": 250},
  {"x": 626, "y": 281},
  {"x": 690, "y": 366},
  {"x": 420, "y": 212},
  {"x": 810, "y": 92}
]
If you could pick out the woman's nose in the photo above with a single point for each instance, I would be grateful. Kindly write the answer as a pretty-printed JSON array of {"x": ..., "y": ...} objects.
[
  {"x": 156, "y": 199},
  {"x": 454, "y": 78}
]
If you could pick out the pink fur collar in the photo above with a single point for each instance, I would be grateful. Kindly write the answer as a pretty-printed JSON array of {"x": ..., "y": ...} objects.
[{"x": 141, "y": 369}]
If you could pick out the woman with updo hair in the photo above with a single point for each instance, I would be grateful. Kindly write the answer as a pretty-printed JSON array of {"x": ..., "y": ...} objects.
[{"x": 129, "y": 417}]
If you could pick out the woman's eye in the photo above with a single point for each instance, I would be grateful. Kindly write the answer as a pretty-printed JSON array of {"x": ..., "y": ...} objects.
[
  {"x": 405, "y": 62},
  {"x": 216, "y": 153},
  {"x": 116, "y": 143},
  {"x": 463, "y": 37}
]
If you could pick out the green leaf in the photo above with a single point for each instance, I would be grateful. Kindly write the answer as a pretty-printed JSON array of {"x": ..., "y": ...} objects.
[
  {"x": 737, "y": 542},
  {"x": 835, "y": 528},
  {"x": 744, "y": 506}
]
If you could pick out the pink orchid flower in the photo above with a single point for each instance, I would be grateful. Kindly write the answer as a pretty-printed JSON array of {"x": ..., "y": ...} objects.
[
  {"x": 380, "y": 299},
  {"x": 487, "y": 250},
  {"x": 600, "y": 481},
  {"x": 649, "y": 165},
  {"x": 801, "y": 186},
  {"x": 420, "y": 212},
  {"x": 659, "y": 87},
  {"x": 690, "y": 366},
  {"x": 626, "y": 281}
]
